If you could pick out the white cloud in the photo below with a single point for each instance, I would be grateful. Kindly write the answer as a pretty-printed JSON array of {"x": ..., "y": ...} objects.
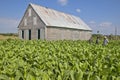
[
  {"x": 8, "y": 21},
  {"x": 8, "y": 25},
  {"x": 78, "y": 10},
  {"x": 63, "y": 2},
  {"x": 92, "y": 22},
  {"x": 105, "y": 24},
  {"x": 103, "y": 27}
]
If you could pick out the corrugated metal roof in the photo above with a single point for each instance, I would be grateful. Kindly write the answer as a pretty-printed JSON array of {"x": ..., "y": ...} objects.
[{"x": 58, "y": 19}]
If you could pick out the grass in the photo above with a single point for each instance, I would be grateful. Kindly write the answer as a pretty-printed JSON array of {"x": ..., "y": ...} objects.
[{"x": 3, "y": 37}]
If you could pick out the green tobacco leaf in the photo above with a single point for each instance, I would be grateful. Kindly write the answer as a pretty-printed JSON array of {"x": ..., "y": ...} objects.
[
  {"x": 72, "y": 75},
  {"x": 79, "y": 75},
  {"x": 30, "y": 77},
  {"x": 58, "y": 60},
  {"x": 45, "y": 76},
  {"x": 19, "y": 75},
  {"x": 59, "y": 77},
  {"x": 4, "y": 77}
]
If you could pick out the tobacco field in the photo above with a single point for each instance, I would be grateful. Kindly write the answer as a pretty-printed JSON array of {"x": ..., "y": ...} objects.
[{"x": 59, "y": 60}]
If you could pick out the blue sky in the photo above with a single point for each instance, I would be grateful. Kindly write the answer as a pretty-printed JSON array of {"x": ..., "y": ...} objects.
[{"x": 102, "y": 15}]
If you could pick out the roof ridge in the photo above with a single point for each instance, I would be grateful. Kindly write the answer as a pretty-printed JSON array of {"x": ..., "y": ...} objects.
[
  {"x": 54, "y": 10},
  {"x": 48, "y": 15}
]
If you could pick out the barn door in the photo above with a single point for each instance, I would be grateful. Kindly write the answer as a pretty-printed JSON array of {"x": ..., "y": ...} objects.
[
  {"x": 22, "y": 34},
  {"x": 38, "y": 33},
  {"x": 29, "y": 34}
]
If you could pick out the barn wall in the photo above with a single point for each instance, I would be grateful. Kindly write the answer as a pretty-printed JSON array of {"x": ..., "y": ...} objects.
[
  {"x": 30, "y": 25},
  {"x": 67, "y": 34}
]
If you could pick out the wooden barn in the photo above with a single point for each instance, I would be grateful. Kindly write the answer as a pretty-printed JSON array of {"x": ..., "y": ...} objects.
[{"x": 44, "y": 23}]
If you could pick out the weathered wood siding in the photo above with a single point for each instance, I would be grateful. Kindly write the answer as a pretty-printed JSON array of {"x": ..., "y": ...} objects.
[
  {"x": 30, "y": 25},
  {"x": 67, "y": 34}
]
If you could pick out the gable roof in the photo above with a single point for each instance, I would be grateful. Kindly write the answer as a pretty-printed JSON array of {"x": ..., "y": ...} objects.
[{"x": 58, "y": 19}]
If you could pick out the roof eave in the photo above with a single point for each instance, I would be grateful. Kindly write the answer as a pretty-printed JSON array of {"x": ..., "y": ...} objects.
[{"x": 68, "y": 28}]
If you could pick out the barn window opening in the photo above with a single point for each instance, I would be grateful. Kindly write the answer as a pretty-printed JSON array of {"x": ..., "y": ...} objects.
[
  {"x": 38, "y": 33},
  {"x": 34, "y": 20},
  {"x": 22, "y": 34},
  {"x": 25, "y": 22},
  {"x": 29, "y": 34},
  {"x": 29, "y": 12}
]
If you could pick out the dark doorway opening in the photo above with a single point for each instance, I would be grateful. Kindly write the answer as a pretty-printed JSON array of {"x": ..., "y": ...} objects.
[
  {"x": 22, "y": 34},
  {"x": 29, "y": 34},
  {"x": 38, "y": 33}
]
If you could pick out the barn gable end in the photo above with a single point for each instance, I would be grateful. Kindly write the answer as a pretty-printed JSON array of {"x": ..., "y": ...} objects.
[{"x": 31, "y": 21}]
